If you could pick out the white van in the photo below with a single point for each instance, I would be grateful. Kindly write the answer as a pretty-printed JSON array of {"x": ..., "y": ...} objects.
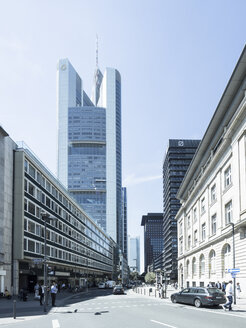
[{"x": 110, "y": 284}]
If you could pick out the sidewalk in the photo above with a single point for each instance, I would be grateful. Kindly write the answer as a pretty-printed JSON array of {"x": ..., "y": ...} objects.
[
  {"x": 145, "y": 292},
  {"x": 30, "y": 309}
]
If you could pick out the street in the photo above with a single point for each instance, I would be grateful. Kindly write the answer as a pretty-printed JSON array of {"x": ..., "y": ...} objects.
[{"x": 99, "y": 309}]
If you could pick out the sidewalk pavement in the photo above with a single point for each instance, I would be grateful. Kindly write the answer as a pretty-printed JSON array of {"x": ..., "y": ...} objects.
[
  {"x": 240, "y": 305},
  {"x": 29, "y": 309}
]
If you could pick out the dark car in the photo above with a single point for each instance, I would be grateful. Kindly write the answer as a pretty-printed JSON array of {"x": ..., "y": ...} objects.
[
  {"x": 199, "y": 296},
  {"x": 118, "y": 290}
]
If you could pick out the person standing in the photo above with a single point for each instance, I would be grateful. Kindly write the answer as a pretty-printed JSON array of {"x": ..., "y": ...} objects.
[
  {"x": 218, "y": 285},
  {"x": 53, "y": 292},
  {"x": 41, "y": 294},
  {"x": 229, "y": 293},
  {"x": 238, "y": 287}
]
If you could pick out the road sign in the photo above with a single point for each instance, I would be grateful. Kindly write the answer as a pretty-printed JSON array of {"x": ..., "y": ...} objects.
[
  {"x": 38, "y": 260},
  {"x": 233, "y": 275},
  {"x": 233, "y": 270}
]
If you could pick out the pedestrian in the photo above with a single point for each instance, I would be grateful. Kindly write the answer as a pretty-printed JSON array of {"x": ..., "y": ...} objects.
[
  {"x": 36, "y": 291},
  {"x": 238, "y": 287},
  {"x": 41, "y": 294},
  {"x": 229, "y": 293},
  {"x": 223, "y": 286},
  {"x": 53, "y": 292},
  {"x": 218, "y": 285}
]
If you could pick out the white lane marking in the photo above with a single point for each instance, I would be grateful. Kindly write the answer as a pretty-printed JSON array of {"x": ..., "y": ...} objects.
[
  {"x": 55, "y": 323},
  {"x": 163, "y": 324}
]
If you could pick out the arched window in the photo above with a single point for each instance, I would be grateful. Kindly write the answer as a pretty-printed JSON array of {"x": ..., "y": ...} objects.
[
  {"x": 212, "y": 262},
  {"x": 202, "y": 265},
  {"x": 193, "y": 266},
  {"x": 226, "y": 259},
  {"x": 187, "y": 268}
]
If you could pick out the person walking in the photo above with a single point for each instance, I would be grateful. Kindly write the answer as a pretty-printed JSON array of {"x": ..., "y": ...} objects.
[
  {"x": 53, "y": 292},
  {"x": 229, "y": 293},
  {"x": 238, "y": 287}
]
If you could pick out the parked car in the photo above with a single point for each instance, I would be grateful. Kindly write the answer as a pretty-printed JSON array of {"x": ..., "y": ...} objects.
[
  {"x": 101, "y": 285},
  {"x": 118, "y": 290},
  {"x": 199, "y": 296}
]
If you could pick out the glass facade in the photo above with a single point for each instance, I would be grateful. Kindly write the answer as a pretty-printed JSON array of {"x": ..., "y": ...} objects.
[
  {"x": 87, "y": 160},
  {"x": 89, "y": 145},
  {"x": 153, "y": 237}
]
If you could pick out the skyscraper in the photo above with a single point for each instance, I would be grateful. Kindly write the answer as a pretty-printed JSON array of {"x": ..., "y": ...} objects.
[
  {"x": 124, "y": 222},
  {"x": 89, "y": 144},
  {"x": 177, "y": 160},
  {"x": 153, "y": 237},
  {"x": 134, "y": 253}
]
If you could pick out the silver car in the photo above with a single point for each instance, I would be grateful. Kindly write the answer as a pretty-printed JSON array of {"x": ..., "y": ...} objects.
[{"x": 199, "y": 296}]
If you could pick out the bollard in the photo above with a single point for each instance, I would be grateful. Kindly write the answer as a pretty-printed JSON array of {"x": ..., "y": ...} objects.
[{"x": 14, "y": 309}]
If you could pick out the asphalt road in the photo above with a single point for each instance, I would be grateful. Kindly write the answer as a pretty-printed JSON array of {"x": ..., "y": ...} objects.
[{"x": 101, "y": 309}]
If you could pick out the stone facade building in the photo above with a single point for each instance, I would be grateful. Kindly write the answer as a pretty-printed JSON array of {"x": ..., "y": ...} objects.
[{"x": 212, "y": 195}]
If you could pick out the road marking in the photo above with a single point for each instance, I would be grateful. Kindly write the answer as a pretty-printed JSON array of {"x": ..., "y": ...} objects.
[
  {"x": 163, "y": 324},
  {"x": 55, "y": 323}
]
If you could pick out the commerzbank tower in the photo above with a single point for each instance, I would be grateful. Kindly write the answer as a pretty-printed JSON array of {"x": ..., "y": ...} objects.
[{"x": 89, "y": 144}]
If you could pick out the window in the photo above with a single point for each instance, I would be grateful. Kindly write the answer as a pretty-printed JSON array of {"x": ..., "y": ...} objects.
[
  {"x": 195, "y": 237},
  {"x": 188, "y": 221},
  {"x": 212, "y": 263},
  {"x": 202, "y": 264},
  {"x": 32, "y": 171},
  {"x": 31, "y": 208},
  {"x": 31, "y": 246},
  {"x": 203, "y": 231},
  {"x": 181, "y": 229},
  {"x": 195, "y": 215},
  {"x": 31, "y": 226},
  {"x": 181, "y": 245},
  {"x": 189, "y": 242},
  {"x": 227, "y": 177},
  {"x": 203, "y": 206},
  {"x": 213, "y": 193},
  {"x": 213, "y": 224},
  {"x": 228, "y": 212},
  {"x": 194, "y": 266}
]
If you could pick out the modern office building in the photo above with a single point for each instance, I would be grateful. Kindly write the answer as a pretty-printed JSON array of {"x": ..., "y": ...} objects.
[
  {"x": 153, "y": 237},
  {"x": 89, "y": 144},
  {"x": 178, "y": 156},
  {"x": 134, "y": 253},
  {"x": 212, "y": 219},
  {"x": 7, "y": 147},
  {"x": 124, "y": 222},
  {"x": 77, "y": 249}
]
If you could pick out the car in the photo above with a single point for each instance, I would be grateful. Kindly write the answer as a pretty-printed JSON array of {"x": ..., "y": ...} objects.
[
  {"x": 102, "y": 285},
  {"x": 199, "y": 296},
  {"x": 118, "y": 290}
]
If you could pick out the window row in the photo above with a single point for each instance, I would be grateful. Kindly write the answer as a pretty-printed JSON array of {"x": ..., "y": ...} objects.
[
  {"x": 35, "y": 210},
  {"x": 46, "y": 184},
  {"x": 38, "y": 248},
  {"x": 193, "y": 269}
]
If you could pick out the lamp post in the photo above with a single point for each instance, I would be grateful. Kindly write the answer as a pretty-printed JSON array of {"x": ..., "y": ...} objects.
[
  {"x": 233, "y": 259},
  {"x": 45, "y": 217}
]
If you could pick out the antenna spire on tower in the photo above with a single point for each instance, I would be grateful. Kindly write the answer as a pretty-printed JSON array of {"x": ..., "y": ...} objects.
[{"x": 96, "y": 51}]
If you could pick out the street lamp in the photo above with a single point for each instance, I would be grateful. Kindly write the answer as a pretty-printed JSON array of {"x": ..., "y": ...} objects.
[
  {"x": 234, "y": 259},
  {"x": 45, "y": 217}
]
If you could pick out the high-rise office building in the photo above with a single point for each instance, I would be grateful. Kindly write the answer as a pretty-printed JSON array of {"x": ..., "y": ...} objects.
[
  {"x": 89, "y": 144},
  {"x": 179, "y": 154},
  {"x": 124, "y": 222},
  {"x": 153, "y": 237},
  {"x": 134, "y": 253}
]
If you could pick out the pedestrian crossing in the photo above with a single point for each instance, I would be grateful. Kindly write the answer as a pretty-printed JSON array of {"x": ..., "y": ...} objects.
[{"x": 102, "y": 306}]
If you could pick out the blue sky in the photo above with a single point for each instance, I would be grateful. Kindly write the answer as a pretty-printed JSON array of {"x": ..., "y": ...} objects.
[{"x": 175, "y": 59}]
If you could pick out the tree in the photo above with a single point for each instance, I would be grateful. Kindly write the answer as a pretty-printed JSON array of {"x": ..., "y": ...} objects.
[{"x": 150, "y": 278}]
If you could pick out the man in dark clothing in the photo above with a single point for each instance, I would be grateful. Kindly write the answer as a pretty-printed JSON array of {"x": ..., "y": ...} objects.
[{"x": 41, "y": 294}]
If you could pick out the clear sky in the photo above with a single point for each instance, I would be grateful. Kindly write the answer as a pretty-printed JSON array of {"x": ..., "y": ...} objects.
[{"x": 175, "y": 59}]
